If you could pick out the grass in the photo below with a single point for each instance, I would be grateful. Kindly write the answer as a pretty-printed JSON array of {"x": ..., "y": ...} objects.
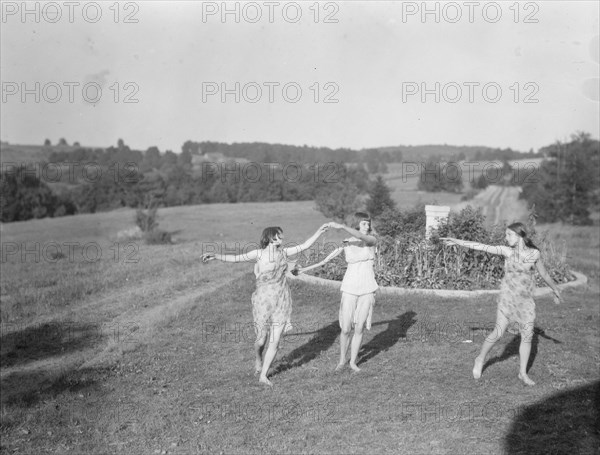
[{"x": 157, "y": 357}]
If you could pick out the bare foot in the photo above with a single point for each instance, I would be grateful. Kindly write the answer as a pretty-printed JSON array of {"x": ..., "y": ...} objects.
[
  {"x": 526, "y": 379},
  {"x": 264, "y": 380},
  {"x": 340, "y": 366},
  {"x": 477, "y": 367},
  {"x": 257, "y": 368},
  {"x": 354, "y": 367}
]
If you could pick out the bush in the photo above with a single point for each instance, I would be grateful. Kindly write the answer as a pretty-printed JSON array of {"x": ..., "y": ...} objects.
[
  {"x": 146, "y": 220},
  {"x": 147, "y": 223}
]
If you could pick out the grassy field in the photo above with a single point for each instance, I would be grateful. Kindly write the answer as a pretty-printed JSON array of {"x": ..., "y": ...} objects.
[{"x": 149, "y": 351}]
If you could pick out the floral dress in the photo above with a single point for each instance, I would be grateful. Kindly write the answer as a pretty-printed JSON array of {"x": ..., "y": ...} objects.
[
  {"x": 272, "y": 299},
  {"x": 516, "y": 295}
]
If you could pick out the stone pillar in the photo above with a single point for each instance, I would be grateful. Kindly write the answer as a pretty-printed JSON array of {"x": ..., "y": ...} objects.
[{"x": 435, "y": 214}]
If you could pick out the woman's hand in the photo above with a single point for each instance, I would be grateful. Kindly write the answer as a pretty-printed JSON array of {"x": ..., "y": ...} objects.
[
  {"x": 335, "y": 225},
  {"x": 208, "y": 257},
  {"x": 323, "y": 228},
  {"x": 448, "y": 241}
]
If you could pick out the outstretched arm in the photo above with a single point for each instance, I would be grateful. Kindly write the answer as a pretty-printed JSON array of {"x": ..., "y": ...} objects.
[
  {"x": 329, "y": 257},
  {"x": 291, "y": 251},
  {"x": 370, "y": 240},
  {"x": 245, "y": 257},
  {"x": 492, "y": 249},
  {"x": 548, "y": 279}
]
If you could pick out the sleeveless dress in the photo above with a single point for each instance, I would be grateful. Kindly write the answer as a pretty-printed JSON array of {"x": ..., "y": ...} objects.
[
  {"x": 516, "y": 295},
  {"x": 359, "y": 279},
  {"x": 272, "y": 299}
]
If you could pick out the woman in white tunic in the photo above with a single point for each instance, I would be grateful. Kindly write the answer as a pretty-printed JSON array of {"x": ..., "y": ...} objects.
[{"x": 358, "y": 286}]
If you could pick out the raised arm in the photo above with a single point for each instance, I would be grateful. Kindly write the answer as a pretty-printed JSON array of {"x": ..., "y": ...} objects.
[
  {"x": 245, "y": 257},
  {"x": 492, "y": 249},
  {"x": 370, "y": 240},
  {"x": 548, "y": 279},
  {"x": 329, "y": 257},
  {"x": 291, "y": 251}
]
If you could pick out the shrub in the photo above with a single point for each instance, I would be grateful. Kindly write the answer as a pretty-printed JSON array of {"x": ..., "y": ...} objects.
[{"x": 147, "y": 223}]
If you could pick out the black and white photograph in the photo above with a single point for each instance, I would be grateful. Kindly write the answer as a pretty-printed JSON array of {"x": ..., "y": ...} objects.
[{"x": 300, "y": 227}]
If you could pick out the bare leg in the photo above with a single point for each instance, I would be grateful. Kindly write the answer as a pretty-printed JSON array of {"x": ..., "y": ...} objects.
[
  {"x": 344, "y": 342},
  {"x": 524, "y": 351},
  {"x": 259, "y": 345},
  {"x": 362, "y": 312},
  {"x": 488, "y": 343},
  {"x": 346, "y": 311},
  {"x": 276, "y": 330}
]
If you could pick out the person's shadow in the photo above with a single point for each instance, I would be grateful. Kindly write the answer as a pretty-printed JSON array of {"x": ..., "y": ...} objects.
[
  {"x": 323, "y": 340},
  {"x": 566, "y": 422},
  {"x": 397, "y": 329},
  {"x": 512, "y": 348}
]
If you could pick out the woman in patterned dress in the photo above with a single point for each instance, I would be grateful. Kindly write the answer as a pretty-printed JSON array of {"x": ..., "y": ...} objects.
[
  {"x": 271, "y": 301},
  {"x": 358, "y": 286},
  {"x": 515, "y": 302}
]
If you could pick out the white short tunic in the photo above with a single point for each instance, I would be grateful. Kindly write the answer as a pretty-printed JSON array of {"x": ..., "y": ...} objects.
[{"x": 359, "y": 278}]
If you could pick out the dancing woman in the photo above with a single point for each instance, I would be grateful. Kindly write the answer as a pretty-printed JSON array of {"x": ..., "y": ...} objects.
[
  {"x": 272, "y": 300},
  {"x": 358, "y": 286},
  {"x": 515, "y": 303}
]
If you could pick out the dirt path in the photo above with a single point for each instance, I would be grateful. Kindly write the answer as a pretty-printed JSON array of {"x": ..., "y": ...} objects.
[
  {"x": 95, "y": 345},
  {"x": 499, "y": 204}
]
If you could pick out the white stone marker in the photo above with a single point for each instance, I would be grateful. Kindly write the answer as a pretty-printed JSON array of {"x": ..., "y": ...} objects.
[{"x": 435, "y": 214}]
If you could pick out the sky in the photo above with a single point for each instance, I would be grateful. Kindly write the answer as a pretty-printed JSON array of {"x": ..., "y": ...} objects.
[{"x": 333, "y": 74}]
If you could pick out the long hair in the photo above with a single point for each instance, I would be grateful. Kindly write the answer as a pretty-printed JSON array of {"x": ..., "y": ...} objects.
[
  {"x": 269, "y": 234},
  {"x": 361, "y": 216},
  {"x": 521, "y": 231}
]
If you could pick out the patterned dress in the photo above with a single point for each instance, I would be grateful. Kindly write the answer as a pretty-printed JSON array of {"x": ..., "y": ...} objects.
[
  {"x": 272, "y": 300},
  {"x": 516, "y": 295}
]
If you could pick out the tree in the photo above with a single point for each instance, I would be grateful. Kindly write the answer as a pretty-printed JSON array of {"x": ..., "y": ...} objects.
[
  {"x": 379, "y": 198},
  {"x": 25, "y": 196},
  {"x": 184, "y": 158},
  {"x": 480, "y": 183},
  {"x": 47, "y": 143},
  {"x": 152, "y": 158},
  {"x": 566, "y": 184},
  {"x": 337, "y": 200},
  {"x": 62, "y": 141}
]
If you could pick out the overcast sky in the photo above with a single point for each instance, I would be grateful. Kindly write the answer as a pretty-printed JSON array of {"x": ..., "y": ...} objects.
[{"x": 373, "y": 58}]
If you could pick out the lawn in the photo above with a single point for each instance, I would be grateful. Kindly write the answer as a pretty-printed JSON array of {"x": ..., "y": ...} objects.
[{"x": 156, "y": 356}]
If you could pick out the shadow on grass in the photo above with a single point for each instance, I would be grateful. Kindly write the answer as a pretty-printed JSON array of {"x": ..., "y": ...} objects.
[
  {"x": 512, "y": 348},
  {"x": 24, "y": 389},
  {"x": 566, "y": 422},
  {"x": 397, "y": 329},
  {"x": 47, "y": 340},
  {"x": 323, "y": 340}
]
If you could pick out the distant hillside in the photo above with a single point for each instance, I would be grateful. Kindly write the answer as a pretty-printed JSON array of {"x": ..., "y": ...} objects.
[
  {"x": 453, "y": 152},
  {"x": 265, "y": 152},
  {"x": 13, "y": 153}
]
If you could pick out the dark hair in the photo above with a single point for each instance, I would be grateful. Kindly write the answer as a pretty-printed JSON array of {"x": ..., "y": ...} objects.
[
  {"x": 358, "y": 217},
  {"x": 521, "y": 231},
  {"x": 269, "y": 234}
]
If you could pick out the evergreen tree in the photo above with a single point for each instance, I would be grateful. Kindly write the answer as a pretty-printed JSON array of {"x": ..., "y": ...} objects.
[{"x": 379, "y": 198}]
